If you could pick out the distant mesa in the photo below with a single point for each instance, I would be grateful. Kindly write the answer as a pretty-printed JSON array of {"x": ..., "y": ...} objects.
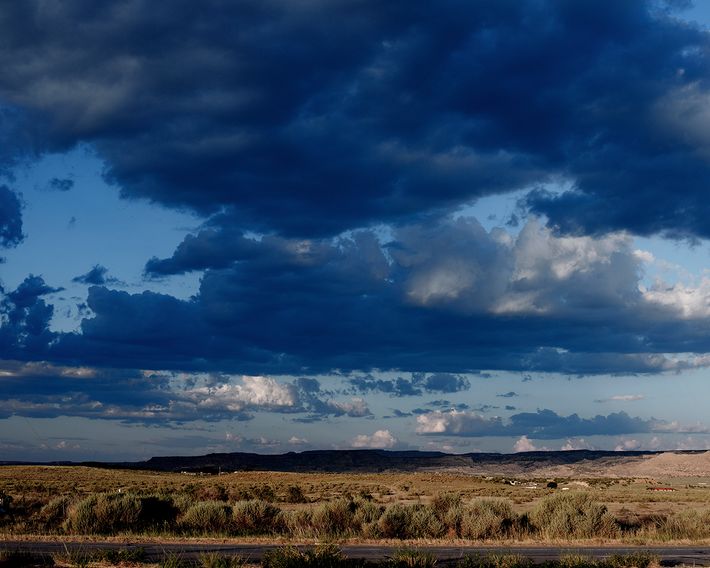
[{"x": 546, "y": 465}]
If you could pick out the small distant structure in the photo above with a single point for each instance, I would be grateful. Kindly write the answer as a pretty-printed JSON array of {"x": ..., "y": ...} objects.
[{"x": 660, "y": 489}]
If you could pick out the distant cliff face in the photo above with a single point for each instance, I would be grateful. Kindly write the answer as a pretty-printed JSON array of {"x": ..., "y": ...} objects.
[
  {"x": 576, "y": 463},
  {"x": 590, "y": 463},
  {"x": 325, "y": 461}
]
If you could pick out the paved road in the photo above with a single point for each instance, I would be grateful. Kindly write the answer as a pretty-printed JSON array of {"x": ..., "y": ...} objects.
[{"x": 670, "y": 556}]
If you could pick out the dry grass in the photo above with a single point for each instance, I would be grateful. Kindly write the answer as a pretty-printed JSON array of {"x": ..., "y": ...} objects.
[{"x": 57, "y": 500}]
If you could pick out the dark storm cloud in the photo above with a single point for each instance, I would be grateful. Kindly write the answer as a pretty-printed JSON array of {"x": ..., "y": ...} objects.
[
  {"x": 395, "y": 387},
  {"x": 310, "y": 118},
  {"x": 24, "y": 319},
  {"x": 61, "y": 184},
  {"x": 446, "y": 382},
  {"x": 44, "y": 390},
  {"x": 396, "y": 413},
  {"x": 442, "y": 298},
  {"x": 140, "y": 328},
  {"x": 414, "y": 386},
  {"x": 212, "y": 248},
  {"x": 456, "y": 406},
  {"x": 477, "y": 408},
  {"x": 29, "y": 290},
  {"x": 509, "y": 394},
  {"x": 208, "y": 249},
  {"x": 543, "y": 424},
  {"x": 548, "y": 424},
  {"x": 10, "y": 218},
  {"x": 21, "y": 137},
  {"x": 97, "y": 276}
]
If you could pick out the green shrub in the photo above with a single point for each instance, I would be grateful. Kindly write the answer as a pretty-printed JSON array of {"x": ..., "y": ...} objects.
[
  {"x": 411, "y": 559},
  {"x": 217, "y": 560},
  {"x": 442, "y": 503},
  {"x": 54, "y": 513},
  {"x": 182, "y": 502},
  {"x": 254, "y": 517},
  {"x": 157, "y": 512},
  {"x": 174, "y": 561},
  {"x": 240, "y": 494},
  {"x": 448, "y": 508},
  {"x": 76, "y": 557},
  {"x": 367, "y": 512},
  {"x": 320, "y": 557},
  {"x": 105, "y": 513},
  {"x": 573, "y": 515},
  {"x": 208, "y": 516},
  {"x": 486, "y": 519},
  {"x": 424, "y": 523},
  {"x": 80, "y": 556},
  {"x": 495, "y": 561},
  {"x": 370, "y": 530},
  {"x": 109, "y": 513},
  {"x": 212, "y": 493},
  {"x": 576, "y": 561},
  {"x": 366, "y": 516},
  {"x": 296, "y": 523},
  {"x": 410, "y": 521},
  {"x": 689, "y": 524},
  {"x": 120, "y": 555},
  {"x": 294, "y": 494},
  {"x": 334, "y": 518},
  {"x": 365, "y": 495},
  {"x": 452, "y": 520},
  {"x": 396, "y": 521},
  {"x": 633, "y": 560},
  {"x": 264, "y": 492}
]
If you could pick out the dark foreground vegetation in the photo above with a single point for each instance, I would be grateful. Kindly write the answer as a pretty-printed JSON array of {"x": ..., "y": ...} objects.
[
  {"x": 327, "y": 556},
  {"x": 559, "y": 516}
]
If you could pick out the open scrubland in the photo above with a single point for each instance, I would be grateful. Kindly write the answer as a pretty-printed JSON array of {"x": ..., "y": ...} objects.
[{"x": 287, "y": 507}]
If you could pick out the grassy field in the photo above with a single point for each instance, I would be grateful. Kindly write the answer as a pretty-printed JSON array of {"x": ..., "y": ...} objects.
[{"x": 355, "y": 507}]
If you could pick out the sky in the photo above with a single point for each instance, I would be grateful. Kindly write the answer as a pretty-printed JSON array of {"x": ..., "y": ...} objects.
[{"x": 272, "y": 226}]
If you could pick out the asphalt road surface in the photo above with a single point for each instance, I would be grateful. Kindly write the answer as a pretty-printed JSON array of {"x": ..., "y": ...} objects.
[{"x": 670, "y": 556}]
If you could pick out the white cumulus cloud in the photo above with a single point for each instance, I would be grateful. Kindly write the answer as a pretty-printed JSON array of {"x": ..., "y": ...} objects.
[
  {"x": 356, "y": 407},
  {"x": 576, "y": 444},
  {"x": 456, "y": 422},
  {"x": 253, "y": 392},
  {"x": 622, "y": 398},
  {"x": 380, "y": 440},
  {"x": 524, "y": 445},
  {"x": 627, "y": 397}
]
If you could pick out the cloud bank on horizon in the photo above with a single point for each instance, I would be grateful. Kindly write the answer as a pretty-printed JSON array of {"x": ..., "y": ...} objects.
[{"x": 333, "y": 154}]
